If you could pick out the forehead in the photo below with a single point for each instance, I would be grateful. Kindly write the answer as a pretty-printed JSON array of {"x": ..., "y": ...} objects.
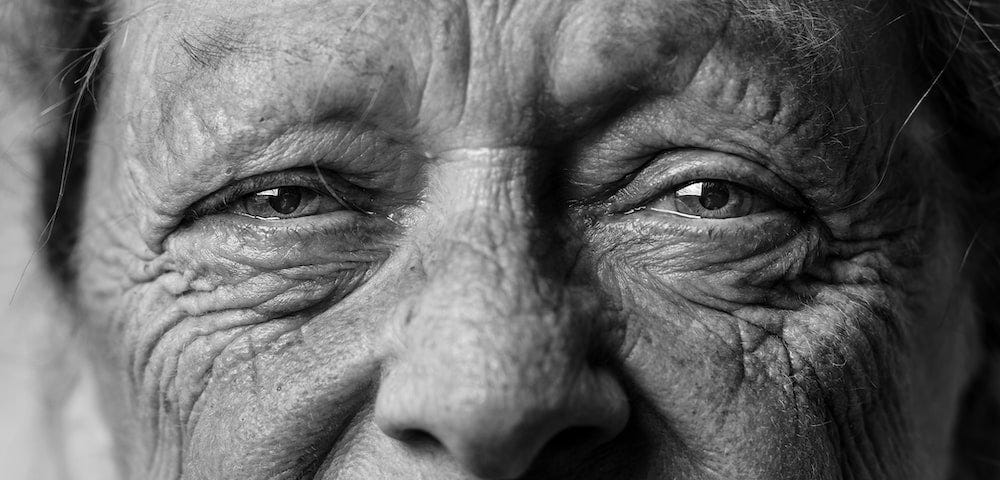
[
  {"x": 797, "y": 24},
  {"x": 568, "y": 54},
  {"x": 527, "y": 45},
  {"x": 535, "y": 21}
]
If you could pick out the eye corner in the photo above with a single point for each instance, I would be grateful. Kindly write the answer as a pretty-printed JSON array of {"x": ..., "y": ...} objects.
[{"x": 215, "y": 203}]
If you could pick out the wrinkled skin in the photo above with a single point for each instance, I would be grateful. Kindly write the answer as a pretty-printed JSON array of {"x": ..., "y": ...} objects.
[{"x": 498, "y": 305}]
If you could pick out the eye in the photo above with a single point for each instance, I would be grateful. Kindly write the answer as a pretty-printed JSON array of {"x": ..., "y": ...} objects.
[
  {"x": 713, "y": 199},
  {"x": 286, "y": 202},
  {"x": 285, "y": 195}
]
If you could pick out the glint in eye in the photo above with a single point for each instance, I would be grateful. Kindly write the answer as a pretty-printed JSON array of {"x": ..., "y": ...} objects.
[
  {"x": 713, "y": 199},
  {"x": 286, "y": 202}
]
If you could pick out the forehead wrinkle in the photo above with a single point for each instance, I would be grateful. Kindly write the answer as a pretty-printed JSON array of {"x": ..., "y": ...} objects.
[{"x": 209, "y": 43}]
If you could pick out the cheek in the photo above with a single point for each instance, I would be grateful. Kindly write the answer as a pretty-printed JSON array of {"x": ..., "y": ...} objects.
[
  {"x": 733, "y": 392},
  {"x": 219, "y": 342},
  {"x": 786, "y": 402},
  {"x": 789, "y": 360}
]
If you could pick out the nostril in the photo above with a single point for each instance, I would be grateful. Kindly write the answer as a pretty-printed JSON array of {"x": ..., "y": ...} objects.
[
  {"x": 578, "y": 438},
  {"x": 570, "y": 447},
  {"x": 418, "y": 439}
]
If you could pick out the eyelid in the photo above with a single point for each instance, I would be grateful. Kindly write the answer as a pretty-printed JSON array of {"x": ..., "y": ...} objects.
[
  {"x": 675, "y": 169},
  {"x": 320, "y": 180}
]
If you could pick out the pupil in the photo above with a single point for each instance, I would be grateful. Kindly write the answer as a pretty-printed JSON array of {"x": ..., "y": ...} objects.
[
  {"x": 714, "y": 195},
  {"x": 286, "y": 201}
]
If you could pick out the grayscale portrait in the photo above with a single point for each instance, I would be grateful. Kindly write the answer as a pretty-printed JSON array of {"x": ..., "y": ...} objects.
[{"x": 499, "y": 239}]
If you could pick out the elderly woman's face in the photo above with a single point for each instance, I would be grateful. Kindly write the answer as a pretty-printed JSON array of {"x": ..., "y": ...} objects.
[{"x": 495, "y": 239}]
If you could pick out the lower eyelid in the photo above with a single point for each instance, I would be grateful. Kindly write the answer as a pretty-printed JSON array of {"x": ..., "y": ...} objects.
[
  {"x": 345, "y": 225},
  {"x": 673, "y": 212},
  {"x": 737, "y": 233}
]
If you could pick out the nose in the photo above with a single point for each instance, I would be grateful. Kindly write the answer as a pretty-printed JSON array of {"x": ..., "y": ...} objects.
[
  {"x": 491, "y": 360},
  {"x": 495, "y": 402}
]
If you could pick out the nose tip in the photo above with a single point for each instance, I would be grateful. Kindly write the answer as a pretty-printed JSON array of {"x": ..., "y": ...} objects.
[{"x": 499, "y": 431}]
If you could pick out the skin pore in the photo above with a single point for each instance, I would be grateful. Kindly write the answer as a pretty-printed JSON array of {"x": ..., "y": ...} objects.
[{"x": 490, "y": 252}]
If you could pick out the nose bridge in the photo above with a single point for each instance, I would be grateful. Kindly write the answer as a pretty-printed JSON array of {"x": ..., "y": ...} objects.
[
  {"x": 490, "y": 267},
  {"x": 495, "y": 319},
  {"x": 490, "y": 353}
]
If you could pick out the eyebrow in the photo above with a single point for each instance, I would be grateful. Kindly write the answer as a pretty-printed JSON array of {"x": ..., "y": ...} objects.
[
  {"x": 209, "y": 49},
  {"x": 812, "y": 38}
]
